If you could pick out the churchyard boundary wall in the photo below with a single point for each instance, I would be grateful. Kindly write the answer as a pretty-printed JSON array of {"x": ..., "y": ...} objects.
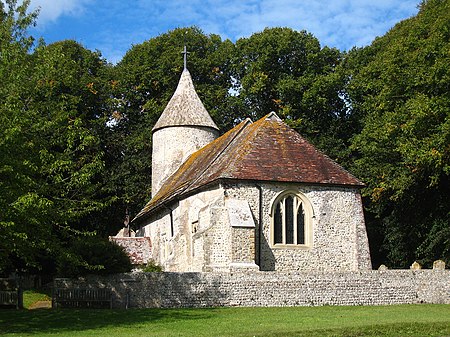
[{"x": 176, "y": 290}]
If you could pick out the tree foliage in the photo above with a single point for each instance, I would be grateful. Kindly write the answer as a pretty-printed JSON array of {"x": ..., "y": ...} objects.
[
  {"x": 15, "y": 167},
  {"x": 75, "y": 137},
  {"x": 401, "y": 85},
  {"x": 92, "y": 255},
  {"x": 52, "y": 156},
  {"x": 287, "y": 71},
  {"x": 69, "y": 98},
  {"x": 144, "y": 82}
]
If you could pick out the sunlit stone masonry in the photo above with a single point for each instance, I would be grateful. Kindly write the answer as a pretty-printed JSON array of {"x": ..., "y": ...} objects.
[{"x": 258, "y": 198}]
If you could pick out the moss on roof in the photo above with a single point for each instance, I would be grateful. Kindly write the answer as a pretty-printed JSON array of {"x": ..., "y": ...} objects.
[
  {"x": 267, "y": 150},
  {"x": 185, "y": 107}
]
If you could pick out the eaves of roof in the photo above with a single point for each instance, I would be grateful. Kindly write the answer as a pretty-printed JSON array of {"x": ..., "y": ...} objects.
[{"x": 267, "y": 150}]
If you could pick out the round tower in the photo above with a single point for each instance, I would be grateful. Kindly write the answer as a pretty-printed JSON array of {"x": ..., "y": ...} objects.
[{"x": 183, "y": 128}]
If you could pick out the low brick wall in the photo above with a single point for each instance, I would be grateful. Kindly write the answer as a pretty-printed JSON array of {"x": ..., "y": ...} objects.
[
  {"x": 171, "y": 290},
  {"x": 138, "y": 249}
]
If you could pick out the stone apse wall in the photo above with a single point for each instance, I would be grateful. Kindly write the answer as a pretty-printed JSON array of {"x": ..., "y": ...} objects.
[
  {"x": 172, "y": 290},
  {"x": 201, "y": 234}
]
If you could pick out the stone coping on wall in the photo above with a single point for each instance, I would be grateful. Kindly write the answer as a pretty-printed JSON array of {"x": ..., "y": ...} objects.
[{"x": 172, "y": 290}]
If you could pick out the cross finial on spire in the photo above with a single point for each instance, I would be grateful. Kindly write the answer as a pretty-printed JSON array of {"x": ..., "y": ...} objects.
[{"x": 185, "y": 52}]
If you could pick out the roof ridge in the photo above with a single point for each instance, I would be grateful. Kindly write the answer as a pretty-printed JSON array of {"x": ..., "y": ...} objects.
[
  {"x": 266, "y": 150},
  {"x": 252, "y": 133},
  {"x": 273, "y": 116},
  {"x": 246, "y": 122},
  {"x": 186, "y": 185}
]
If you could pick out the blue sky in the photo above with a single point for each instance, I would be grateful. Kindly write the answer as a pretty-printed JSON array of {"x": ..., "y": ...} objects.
[{"x": 113, "y": 26}]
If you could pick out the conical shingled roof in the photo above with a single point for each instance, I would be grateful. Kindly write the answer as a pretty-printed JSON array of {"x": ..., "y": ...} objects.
[
  {"x": 185, "y": 107},
  {"x": 267, "y": 150}
]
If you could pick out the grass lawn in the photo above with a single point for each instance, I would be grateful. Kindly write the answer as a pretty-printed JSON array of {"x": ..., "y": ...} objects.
[{"x": 398, "y": 320}]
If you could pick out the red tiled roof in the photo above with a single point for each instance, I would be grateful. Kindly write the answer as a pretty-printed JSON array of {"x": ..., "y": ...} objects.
[{"x": 267, "y": 150}]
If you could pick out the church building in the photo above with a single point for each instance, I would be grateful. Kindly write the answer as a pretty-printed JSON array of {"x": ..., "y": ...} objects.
[{"x": 258, "y": 198}]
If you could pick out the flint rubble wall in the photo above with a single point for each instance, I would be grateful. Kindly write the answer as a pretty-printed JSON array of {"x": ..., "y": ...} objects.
[{"x": 264, "y": 289}]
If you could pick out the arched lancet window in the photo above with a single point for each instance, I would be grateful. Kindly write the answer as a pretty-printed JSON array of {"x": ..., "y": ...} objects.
[{"x": 291, "y": 220}]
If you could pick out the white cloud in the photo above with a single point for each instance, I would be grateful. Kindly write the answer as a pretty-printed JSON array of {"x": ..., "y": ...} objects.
[
  {"x": 51, "y": 10},
  {"x": 118, "y": 24},
  {"x": 336, "y": 23},
  {"x": 340, "y": 23}
]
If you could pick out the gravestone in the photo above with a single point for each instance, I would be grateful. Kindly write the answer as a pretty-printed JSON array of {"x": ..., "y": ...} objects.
[
  {"x": 416, "y": 266},
  {"x": 439, "y": 265}
]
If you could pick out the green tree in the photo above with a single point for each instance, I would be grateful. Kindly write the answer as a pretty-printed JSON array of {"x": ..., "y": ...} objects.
[
  {"x": 288, "y": 72},
  {"x": 15, "y": 168},
  {"x": 70, "y": 96},
  {"x": 52, "y": 114},
  {"x": 92, "y": 255},
  {"x": 145, "y": 79},
  {"x": 400, "y": 84}
]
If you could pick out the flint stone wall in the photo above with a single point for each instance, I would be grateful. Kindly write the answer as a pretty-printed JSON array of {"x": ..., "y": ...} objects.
[
  {"x": 195, "y": 234},
  {"x": 172, "y": 146},
  {"x": 174, "y": 290},
  {"x": 339, "y": 239}
]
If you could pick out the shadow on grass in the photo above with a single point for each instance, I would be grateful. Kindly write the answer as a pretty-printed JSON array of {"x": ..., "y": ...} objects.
[
  {"x": 409, "y": 320},
  {"x": 402, "y": 329},
  {"x": 66, "y": 320},
  {"x": 378, "y": 330}
]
